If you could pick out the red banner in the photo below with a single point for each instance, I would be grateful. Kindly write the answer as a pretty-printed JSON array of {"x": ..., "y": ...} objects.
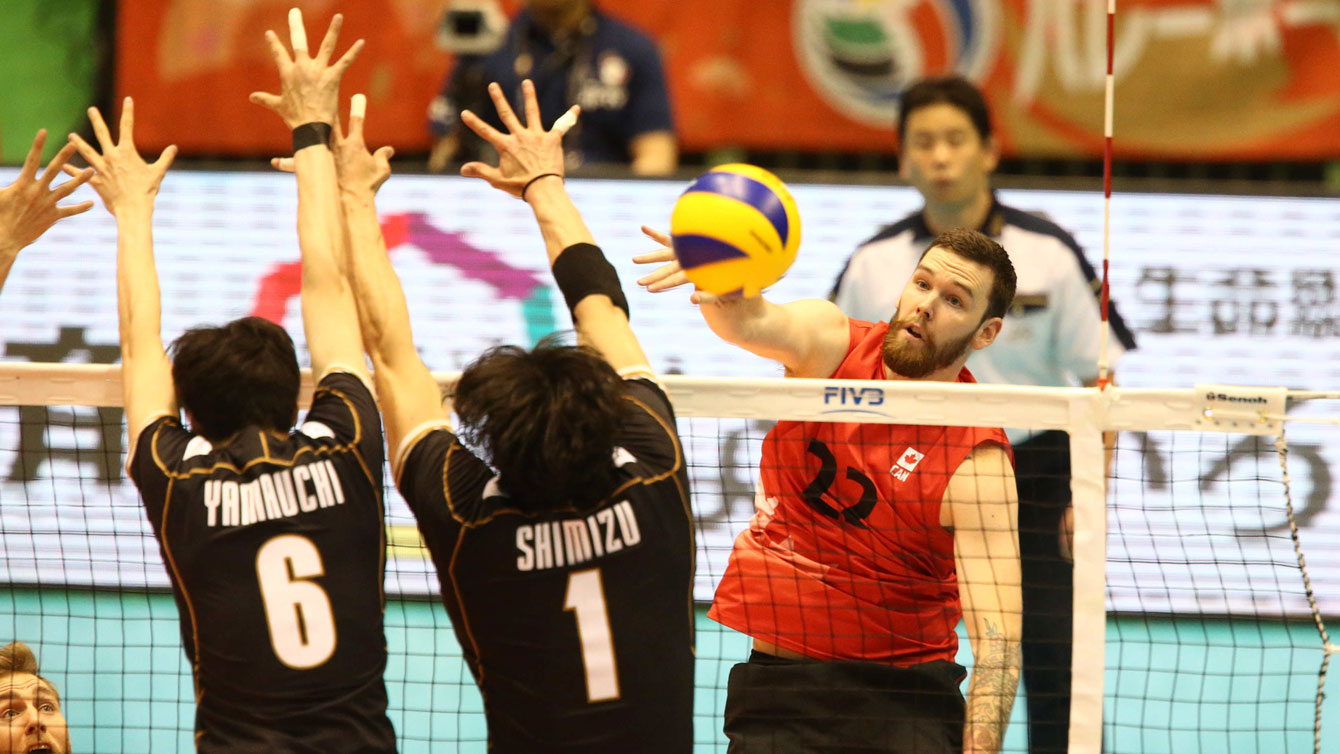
[
  {"x": 1196, "y": 79},
  {"x": 190, "y": 65}
]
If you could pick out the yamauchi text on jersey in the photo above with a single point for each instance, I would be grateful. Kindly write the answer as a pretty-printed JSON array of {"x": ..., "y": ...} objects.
[
  {"x": 277, "y": 494},
  {"x": 554, "y": 544}
]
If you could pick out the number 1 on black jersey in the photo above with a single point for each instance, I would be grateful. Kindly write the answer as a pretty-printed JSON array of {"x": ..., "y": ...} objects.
[{"x": 586, "y": 599}]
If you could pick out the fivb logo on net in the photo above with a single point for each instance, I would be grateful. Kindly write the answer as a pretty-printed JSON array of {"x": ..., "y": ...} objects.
[{"x": 861, "y": 54}]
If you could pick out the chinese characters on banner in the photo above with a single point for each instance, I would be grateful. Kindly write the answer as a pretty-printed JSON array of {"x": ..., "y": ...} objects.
[{"x": 1300, "y": 303}]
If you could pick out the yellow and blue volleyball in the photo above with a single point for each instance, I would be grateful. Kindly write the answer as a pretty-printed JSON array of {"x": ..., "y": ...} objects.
[{"x": 735, "y": 230}]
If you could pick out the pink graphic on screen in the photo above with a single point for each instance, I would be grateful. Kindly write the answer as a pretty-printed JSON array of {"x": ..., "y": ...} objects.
[{"x": 284, "y": 280}]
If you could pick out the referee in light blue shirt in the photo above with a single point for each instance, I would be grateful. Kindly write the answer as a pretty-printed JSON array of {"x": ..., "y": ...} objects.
[{"x": 1051, "y": 337}]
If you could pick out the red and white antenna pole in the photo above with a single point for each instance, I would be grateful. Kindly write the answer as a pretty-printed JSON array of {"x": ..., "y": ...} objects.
[{"x": 1109, "y": 88}]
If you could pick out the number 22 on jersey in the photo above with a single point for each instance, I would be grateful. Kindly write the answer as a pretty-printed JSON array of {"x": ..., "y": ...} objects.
[
  {"x": 586, "y": 599},
  {"x": 297, "y": 610}
]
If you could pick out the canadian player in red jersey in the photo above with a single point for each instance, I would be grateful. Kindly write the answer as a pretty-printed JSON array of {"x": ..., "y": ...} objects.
[{"x": 871, "y": 541}]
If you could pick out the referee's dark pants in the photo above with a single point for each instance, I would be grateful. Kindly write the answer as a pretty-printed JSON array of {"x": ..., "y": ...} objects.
[{"x": 1042, "y": 471}]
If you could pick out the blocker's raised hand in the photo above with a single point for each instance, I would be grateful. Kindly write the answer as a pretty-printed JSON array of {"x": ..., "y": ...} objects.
[
  {"x": 527, "y": 152},
  {"x": 123, "y": 179},
  {"x": 360, "y": 170},
  {"x": 29, "y": 206},
  {"x": 309, "y": 86}
]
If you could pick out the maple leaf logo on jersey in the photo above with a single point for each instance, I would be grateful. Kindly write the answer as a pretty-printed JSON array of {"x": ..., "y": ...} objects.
[
  {"x": 907, "y": 463},
  {"x": 910, "y": 459}
]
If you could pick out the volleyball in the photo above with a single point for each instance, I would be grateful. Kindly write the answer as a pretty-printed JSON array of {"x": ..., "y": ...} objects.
[{"x": 735, "y": 230}]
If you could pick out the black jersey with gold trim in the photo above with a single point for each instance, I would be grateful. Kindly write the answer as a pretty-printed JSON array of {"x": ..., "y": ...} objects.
[
  {"x": 577, "y": 624},
  {"x": 275, "y": 545}
]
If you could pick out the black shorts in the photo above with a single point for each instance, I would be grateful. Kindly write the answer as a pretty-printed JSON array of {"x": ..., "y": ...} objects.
[{"x": 779, "y": 706}]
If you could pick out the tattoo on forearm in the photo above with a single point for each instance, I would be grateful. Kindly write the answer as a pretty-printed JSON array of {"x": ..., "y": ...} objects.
[{"x": 995, "y": 679}]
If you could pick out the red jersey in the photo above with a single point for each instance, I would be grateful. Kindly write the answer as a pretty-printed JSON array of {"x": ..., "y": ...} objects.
[{"x": 845, "y": 557}]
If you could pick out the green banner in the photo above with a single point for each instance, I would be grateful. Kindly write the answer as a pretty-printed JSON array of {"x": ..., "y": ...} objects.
[{"x": 48, "y": 71}]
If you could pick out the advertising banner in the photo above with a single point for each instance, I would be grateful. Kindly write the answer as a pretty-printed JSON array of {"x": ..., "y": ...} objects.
[{"x": 1196, "y": 79}]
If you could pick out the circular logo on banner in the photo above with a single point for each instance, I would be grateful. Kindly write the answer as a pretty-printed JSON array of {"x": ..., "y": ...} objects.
[{"x": 860, "y": 54}]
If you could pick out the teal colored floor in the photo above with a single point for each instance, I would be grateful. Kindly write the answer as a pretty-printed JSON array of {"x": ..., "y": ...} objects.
[{"x": 1175, "y": 686}]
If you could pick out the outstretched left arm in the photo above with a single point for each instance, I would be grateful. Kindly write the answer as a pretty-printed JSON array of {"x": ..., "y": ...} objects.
[
  {"x": 983, "y": 506},
  {"x": 128, "y": 186}
]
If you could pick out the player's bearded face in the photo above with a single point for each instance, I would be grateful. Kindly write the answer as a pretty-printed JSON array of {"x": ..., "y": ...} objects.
[
  {"x": 30, "y": 717},
  {"x": 913, "y": 352}
]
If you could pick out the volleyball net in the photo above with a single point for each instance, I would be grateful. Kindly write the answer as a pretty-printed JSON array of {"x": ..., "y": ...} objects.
[{"x": 1195, "y": 626}]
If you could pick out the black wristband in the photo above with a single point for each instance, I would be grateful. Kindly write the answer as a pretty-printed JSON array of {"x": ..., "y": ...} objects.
[
  {"x": 311, "y": 134},
  {"x": 536, "y": 178},
  {"x": 581, "y": 271}
]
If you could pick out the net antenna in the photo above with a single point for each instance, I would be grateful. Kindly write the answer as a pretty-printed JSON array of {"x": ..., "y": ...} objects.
[{"x": 1109, "y": 88}]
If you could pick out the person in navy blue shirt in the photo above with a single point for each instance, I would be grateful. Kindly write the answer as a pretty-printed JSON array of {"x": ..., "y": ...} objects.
[{"x": 576, "y": 55}]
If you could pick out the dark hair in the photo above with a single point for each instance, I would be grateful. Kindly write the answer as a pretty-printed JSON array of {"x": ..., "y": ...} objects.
[
  {"x": 242, "y": 374},
  {"x": 945, "y": 90},
  {"x": 16, "y": 657},
  {"x": 978, "y": 247},
  {"x": 545, "y": 419}
]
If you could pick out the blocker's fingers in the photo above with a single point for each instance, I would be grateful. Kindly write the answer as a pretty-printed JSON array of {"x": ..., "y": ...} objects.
[
  {"x": 87, "y": 151},
  {"x": 284, "y": 164},
  {"x": 297, "y": 33},
  {"x": 57, "y": 162},
  {"x": 34, "y": 157},
  {"x": 480, "y": 170},
  {"x": 505, "y": 113},
  {"x": 567, "y": 120},
  {"x": 277, "y": 50},
  {"x": 328, "y": 42},
  {"x": 532, "y": 105},
  {"x": 100, "y": 130},
  {"x": 128, "y": 120},
  {"x": 348, "y": 58},
  {"x": 67, "y": 188},
  {"x": 486, "y": 132},
  {"x": 168, "y": 155},
  {"x": 265, "y": 99},
  {"x": 491, "y": 174},
  {"x": 75, "y": 209},
  {"x": 358, "y": 111}
]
